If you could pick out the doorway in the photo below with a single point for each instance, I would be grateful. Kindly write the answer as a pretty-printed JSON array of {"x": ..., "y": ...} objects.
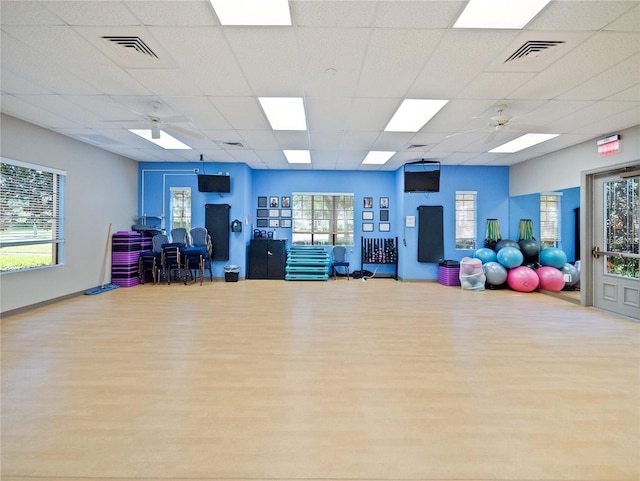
[{"x": 610, "y": 264}]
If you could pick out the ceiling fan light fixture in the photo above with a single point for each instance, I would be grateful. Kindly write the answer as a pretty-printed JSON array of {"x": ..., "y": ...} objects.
[
  {"x": 155, "y": 132},
  {"x": 165, "y": 140}
]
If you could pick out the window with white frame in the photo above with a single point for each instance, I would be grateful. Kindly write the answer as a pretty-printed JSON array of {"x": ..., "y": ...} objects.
[
  {"x": 180, "y": 207},
  {"x": 31, "y": 216},
  {"x": 549, "y": 220},
  {"x": 466, "y": 219},
  {"x": 322, "y": 219}
]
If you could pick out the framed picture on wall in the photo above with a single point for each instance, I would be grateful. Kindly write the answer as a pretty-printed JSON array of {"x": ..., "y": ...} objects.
[
  {"x": 384, "y": 227},
  {"x": 274, "y": 222},
  {"x": 285, "y": 223},
  {"x": 367, "y": 215},
  {"x": 263, "y": 213},
  {"x": 384, "y": 215},
  {"x": 273, "y": 202},
  {"x": 367, "y": 227},
  {"x": 384, "y": 202},
  {"x": 262, "y": 222},
  {"x": 285, "y": 202},
  {"x": 368, "y": 203},
  {"x": 262, "y": 201},
  {"x": 274, "y": 212},
  {"x": 285, "y": 212}
]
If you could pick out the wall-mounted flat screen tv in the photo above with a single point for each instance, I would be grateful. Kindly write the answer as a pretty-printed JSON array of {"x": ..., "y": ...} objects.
[
  {"x": 214, "y": 183},
  {"x": 426, "y": 181},
  {"x": 422, "y": 176}
]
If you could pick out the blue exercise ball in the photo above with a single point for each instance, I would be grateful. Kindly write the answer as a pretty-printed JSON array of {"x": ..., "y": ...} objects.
[
  {"x": 509, "y": 257},
  {"x": 484, "y": 254},
  {"x": 571, "y": 275},
  {"x": 506, "y": 243},
  {"x": 495, "y": 273},
  {"x": 554, "y": 257}
]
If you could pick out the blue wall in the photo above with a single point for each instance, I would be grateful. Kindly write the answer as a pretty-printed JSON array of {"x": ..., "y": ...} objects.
[{"x": 490, "y": 183}]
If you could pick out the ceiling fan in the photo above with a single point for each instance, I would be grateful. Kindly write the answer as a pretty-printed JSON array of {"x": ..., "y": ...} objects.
[
  {"x": 500, "y": 122},
  {"x": 158, "y": 123}
]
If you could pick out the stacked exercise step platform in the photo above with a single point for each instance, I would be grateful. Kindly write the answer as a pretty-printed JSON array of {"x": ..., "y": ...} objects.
[{"x": 307, "y": 263}]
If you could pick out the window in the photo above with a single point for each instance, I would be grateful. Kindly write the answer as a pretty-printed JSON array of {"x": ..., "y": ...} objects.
[
  {"x": 322, "y": 219},
  {"x": 31, "y": 216},
  {"x": 466, "y": 220},
  {"x": 180, "y": 207},
  {"x": 549, "y": 220}
]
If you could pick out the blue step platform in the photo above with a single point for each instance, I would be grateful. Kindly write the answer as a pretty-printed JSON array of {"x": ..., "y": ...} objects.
[{"x": 307, "y": 263}]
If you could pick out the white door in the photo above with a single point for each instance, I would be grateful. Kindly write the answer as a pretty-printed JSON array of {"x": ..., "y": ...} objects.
[{"x": 615, "y": 253}]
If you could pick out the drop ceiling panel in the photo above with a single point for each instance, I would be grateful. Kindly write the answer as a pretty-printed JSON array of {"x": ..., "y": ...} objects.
[
  {"x": 320, "y": 13},
  {"x": 104, "y": 12},
  {"x": 269, "y": 60},
  {"x": 329, "y": 140},
  {"x": 295, "y": 140},
  {"x": 581, "y": 119},
  {"x": 458, "y": 59},
  {"x": 359, "y": 141},
  {"x": 394, "y": 59},
  {"x": 182, "y": 12},
  {"x": 371, "y": 113},
  {"x": 328, "y": 113},
  {"x": 629, "y": 22},
  {"x": 430, "y": 15},
  {"x": 340, "y": 49},
  {"x": 205, "y": 56},
  {"x": 11, "y": 83},
  {"x": 623, "y": 119},
  {"x": 494, "y": 85},
  {"x": 581, "y": 15},
  {"x": 22, "y": 109},
  {"x": 616, "y": 79},
  {"x": 171, "y": 82},
  {"x": 241, "y": 112},
  {"x": 260, "y": 139},
  {"x": 23, "y": 12},
  {"x": 631, "y": 95},
  {"x": 199, "y": 110}
]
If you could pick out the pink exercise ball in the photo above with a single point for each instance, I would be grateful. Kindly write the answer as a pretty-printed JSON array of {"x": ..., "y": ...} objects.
[
  {"x": 523, "y": 279},
  {"x": 551, "y": 279}
]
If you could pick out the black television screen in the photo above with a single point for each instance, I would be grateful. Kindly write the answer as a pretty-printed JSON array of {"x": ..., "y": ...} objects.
[
  {"x": 214, "y": 183},
  {"x": 422, "y": 181}
]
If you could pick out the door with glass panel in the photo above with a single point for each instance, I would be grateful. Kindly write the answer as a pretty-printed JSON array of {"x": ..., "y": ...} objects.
[{"x": 616, "y": 251}]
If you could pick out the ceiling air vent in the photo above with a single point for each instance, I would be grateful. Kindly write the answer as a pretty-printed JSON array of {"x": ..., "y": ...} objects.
[
  {"x": 234, "y": 145},
  {"x": 533, "y": 49},
  {"x": 417, "y": 146},
  {"x": 131, "y": 45}
]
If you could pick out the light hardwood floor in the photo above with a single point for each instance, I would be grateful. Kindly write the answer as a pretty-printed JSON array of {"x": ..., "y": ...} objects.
[{"x": 337, "y": 380}]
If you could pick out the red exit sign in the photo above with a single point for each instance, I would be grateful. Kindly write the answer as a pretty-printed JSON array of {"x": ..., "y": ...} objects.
[{"x": 609, "y": 145}]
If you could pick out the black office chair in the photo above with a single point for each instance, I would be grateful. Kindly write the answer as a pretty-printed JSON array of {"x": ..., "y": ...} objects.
[
  {"x": 201, "y": 245},
  {"x": 339, "y": 260},
  {"x": 172, "y": 265}
]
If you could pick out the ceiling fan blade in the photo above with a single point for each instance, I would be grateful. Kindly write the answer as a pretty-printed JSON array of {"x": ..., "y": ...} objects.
[
  {"x": 190, "y": 133},
  {"x": 491, "y": 137},
  {"x": 175, "y": 118},
  {"x": 464, "y": 132}
]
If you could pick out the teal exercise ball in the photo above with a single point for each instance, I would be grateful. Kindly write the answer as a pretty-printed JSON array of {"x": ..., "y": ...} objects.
[
  {"x": 509, "y": 257},
  {"x": 571, "y": 275},
  {"x": 485, "y": 255},
  {"x": 554, "y": 257},
  {"x": 506, "y": 243}
]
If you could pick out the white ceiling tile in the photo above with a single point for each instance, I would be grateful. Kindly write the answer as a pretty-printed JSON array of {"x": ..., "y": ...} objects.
[
  {"x": 394, "y": 60},
  {"x": 25, "y": 110},
  {"x": 627, "y": 22},
  {"x": 241, "y": 112},
  {"x": 371, "y": 114},
  {"x": 268, "y": 59},
  {"x": 345, "y": 13},
  {"x": 104, "y": 12},
  {"x": 495, "y": 85},
  {"x": 293, "y": 140},
  {"x": 178, "y": 12},
  {"x": 359, "y": 141},
  {"x": 24, "y": 12},
  {"x": 260, "y": 139},
  {"x": 616, "y": 79},
  {"x": 328, "y": 113},
  {"x": 170, "y": 82},
  {"x": 11, "y": 83},
  {"x": 420, "y": 14},
  {"x": 340, "y": 49},
  {"x": 198, "y": 109},
  {"x": 580, "y": 15},
  {"x": 329, "y": 140},
  {"x": 631, "y": 95}
]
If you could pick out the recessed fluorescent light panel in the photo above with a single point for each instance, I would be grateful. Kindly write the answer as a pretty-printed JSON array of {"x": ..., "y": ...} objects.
[
  {"x": 413, "y": 114},
  {"x": 378, "y": 157},
  {"x": 521, "y": 143},
  {"x": 284, "y": 113},
  {"x": 298, "y": 156},
  {"x": 165, "y": 141},
  {"x": 499, "y": 13},
  {"x": 252, "y": 12}
]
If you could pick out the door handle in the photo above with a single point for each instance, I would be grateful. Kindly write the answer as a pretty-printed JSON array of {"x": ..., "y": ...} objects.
[
  {"x": 269, "y": 253},
  {"x": 596, "y": 252}
]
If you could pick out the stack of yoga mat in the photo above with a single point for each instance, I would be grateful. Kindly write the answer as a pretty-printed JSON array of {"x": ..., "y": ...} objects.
[{"x": 307, "y": 263}]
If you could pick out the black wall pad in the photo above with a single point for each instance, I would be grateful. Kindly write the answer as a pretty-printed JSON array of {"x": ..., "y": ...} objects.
[
  {"x": 430, "y": 236},
  {"x": 216, "y": 220}
]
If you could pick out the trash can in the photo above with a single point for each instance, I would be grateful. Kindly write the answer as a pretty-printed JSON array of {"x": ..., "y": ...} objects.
[{"x": 231, "y": 273}]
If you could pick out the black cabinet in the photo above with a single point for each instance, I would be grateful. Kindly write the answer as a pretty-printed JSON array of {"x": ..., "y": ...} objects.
[{"x": 267, "y": 259}]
